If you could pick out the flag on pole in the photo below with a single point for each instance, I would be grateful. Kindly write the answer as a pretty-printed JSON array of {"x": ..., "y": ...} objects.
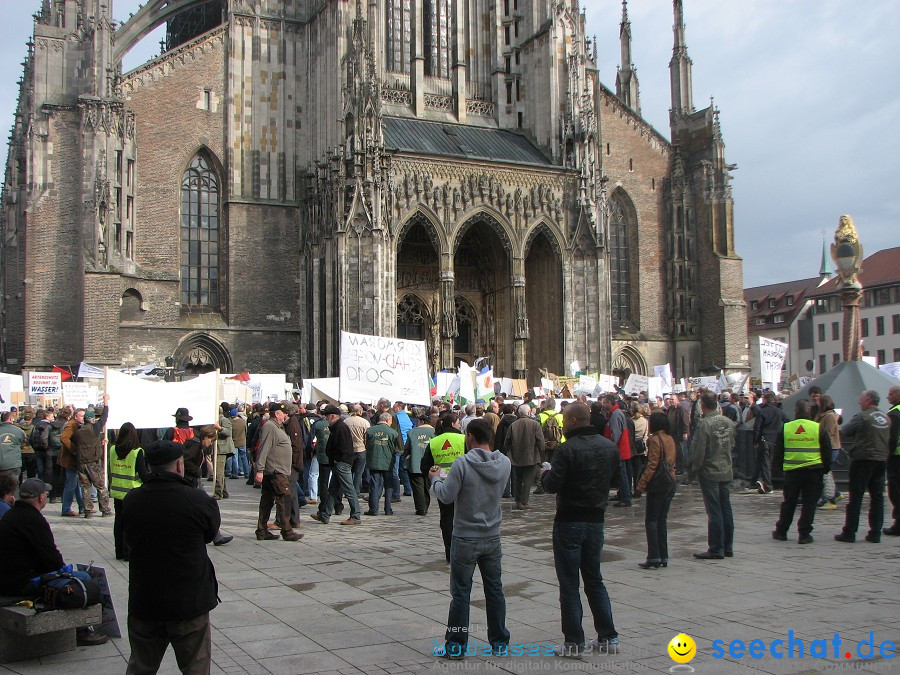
[
  {"x": 64, "y": 373},
  {"x": 466, "y": 384},
  {"x": 723, "y": 383},
  {"x": 433, "y": 386},
  {"x": 485, "y": 383}
]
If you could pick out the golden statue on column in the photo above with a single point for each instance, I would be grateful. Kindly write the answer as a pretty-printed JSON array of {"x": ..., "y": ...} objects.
[{"x": 847, "y": 254}]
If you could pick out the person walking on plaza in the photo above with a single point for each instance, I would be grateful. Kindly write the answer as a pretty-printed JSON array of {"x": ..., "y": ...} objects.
[
  {"x": 711, "y": 445},
  {"x": 340, "y": 454},
  {"x": 88, "y": 441},
  {"x": 583, "y": 468},
  {"x": 803, "y": 448},
  {"x": 766, "y": 428},
  {"x": 273, "y": 467},
  {"x": 127, "y": 471},
  {"x": 172, "y": 583},
  {"x": 380, "y": 441},
  {"x": 828, "y": 419},
  {"x": 358, "y": 426},
  {"x": 660, "y": 445},
  {"x": 893, "y": 464},
  {"x": 867, "y": 435},
  {"x": 224, "y": 450},
  {"x": 417, "y": 441},
  {"x": 445, "y": 448},
  {"x": 475, "y": 485},
  {"x": 525, "y": 449}
]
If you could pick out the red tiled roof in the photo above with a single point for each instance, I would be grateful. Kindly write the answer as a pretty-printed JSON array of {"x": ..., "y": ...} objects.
[
  {"x": 761, "y": 295},
  {"x": 879, "y": 269}
]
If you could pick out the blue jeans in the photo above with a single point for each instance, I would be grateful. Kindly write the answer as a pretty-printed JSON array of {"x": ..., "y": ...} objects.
[
  {"x": 44, "y": 465},
  {"x": 400, "y": 476},
  {"x": 577, "y": 548},
  {"x": 342, "y": 480},
  {"x": 311, "y": 477},
  {"x": 625, "y": 485},
  {"x": 655, "y": 526},
  {"x": 359, "y": 467},
  {"x": 465, "y": 554},
  {"x": 380, "y": 481},
  {"x": 720, "y": 521},
  {"x": 242, "y": 463},
  {"x": 70, "y": 490}
]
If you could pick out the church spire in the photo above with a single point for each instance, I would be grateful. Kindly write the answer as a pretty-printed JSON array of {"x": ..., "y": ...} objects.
[
  {"x": 680, "y": 68},
  {"x": 626, "y": 78},
  {"x": 825, "y": 267}
]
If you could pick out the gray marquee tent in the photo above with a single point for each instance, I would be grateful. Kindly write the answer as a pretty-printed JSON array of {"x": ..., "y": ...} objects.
[{"x": 844, "y": 383}]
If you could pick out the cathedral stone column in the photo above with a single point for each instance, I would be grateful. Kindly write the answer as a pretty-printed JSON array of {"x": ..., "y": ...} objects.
[
  {"x": 448, "y": 313},
  {"x": 520, "y": 319}
]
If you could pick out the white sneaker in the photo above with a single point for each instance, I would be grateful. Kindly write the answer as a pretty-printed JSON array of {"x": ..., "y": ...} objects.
[
  {"x": 569, "y": 651},
  {"x": 605, "y": 646}
]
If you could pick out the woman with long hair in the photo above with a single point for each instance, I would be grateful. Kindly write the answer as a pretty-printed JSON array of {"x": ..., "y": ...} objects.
[
  {"x": 828, "y": 418},
  {"x": 127, "y": 470},
  {"x": 659, "y": 445}
]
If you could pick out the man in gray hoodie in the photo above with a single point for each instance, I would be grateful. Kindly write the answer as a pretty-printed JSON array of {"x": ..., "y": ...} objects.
[{"x": 475, "y": 484}]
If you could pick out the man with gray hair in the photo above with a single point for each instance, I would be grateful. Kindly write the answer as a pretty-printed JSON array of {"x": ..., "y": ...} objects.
[
  {"x": 865, "y": 437},
  {"x": 470, "y": 415},
  {"x": 524, "y": 445}
]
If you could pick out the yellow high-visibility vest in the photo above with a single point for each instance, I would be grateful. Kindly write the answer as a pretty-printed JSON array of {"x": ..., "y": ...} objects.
[
  {"x": 123, "y": 476},
  {"x": 801, "y": 445},
  {"x": 897, "y": 449},
  {"x": 446, "y": 448}
]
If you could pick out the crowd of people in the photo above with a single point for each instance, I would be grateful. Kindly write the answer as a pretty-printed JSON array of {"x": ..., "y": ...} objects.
[{"x": 469, "y": 459}]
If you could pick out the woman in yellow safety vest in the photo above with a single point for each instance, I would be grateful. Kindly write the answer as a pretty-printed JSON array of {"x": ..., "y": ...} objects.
[{"x": 127, "y": 470}]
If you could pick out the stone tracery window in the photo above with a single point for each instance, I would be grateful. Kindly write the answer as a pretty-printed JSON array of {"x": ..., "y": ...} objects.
[
  {"x": 437, "y": 31},
  {"x": 200, "y": 235},
  {"x": 466, "y": 326},
  {"x": 412, "y": 317},
  {"x": 398, "y": 35},
  {"x": 619, "y": 274}
]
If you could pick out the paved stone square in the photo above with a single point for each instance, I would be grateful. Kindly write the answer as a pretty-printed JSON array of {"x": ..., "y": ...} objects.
[{"x": 374, "y": 598}]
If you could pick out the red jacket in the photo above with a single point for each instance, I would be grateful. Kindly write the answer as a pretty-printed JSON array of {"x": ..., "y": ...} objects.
[{"x": 619, "y": 425}]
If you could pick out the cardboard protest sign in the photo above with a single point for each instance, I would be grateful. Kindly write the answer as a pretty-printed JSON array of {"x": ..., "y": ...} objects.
[
  {"x": 44, "y": 384},
  {"x": 151, "y": 405},
  {"x": 635, "y": 384},
  {"x": 373, "y": 367},
  {"x": 771, "y": 359},
  {"x": 78, "y": 394}
]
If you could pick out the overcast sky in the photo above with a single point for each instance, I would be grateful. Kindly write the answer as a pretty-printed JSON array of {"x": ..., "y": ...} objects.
[{"x": 809, "y": 99}]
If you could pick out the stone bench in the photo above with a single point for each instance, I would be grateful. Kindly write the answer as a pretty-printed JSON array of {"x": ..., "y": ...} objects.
[{"x": 26, "y": 634}]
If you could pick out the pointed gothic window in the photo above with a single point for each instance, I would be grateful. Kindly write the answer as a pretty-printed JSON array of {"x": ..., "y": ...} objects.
[
  {"x": 437, "y": 28},
  {"x": 411, "y": 319},
  {"x": 399, "y": 35},
  {"x": 200, "y": 235},
  {"x": 619, "y": 276}
]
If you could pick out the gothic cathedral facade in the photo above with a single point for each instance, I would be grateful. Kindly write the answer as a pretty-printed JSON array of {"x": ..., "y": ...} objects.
[{"x": 451, "y": 171}]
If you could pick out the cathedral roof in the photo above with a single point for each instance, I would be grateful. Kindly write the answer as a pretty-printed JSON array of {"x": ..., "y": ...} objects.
[
  {"x": 457, "y": 140},
  {"x": 785, "y": 300}
]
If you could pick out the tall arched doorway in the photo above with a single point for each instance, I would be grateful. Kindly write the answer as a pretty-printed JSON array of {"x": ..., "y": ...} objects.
[
  {"x": 481, "y": 265},
  {"x": 544, "y": 302},
  {"x": 418, "y": 287}
]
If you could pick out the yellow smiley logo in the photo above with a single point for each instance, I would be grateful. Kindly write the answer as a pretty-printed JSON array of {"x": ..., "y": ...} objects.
[{"x": 682, "y": 648}]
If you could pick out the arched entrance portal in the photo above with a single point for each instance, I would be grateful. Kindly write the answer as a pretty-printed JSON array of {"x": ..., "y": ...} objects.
[
  {"x": 201, "y": 353},
  {"x": 481, "y": 266},
  {"x": 544, "y": 301},
  {"x": 418, "y": 289}
]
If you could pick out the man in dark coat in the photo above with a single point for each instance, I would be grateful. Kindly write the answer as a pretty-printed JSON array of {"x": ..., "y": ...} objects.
[{"x": 172, "y": 583}]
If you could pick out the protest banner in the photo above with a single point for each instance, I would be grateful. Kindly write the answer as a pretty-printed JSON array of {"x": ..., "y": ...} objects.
[
  {"x": 665, "y": 372},
  {"x": 151, "y": 405},
  {"x": 373, "y": 367},
  {"x": 78, "y": 394},
  {"x": 771, "y": 359},
  {"x": 5, "y": 393},
  {"x": 586, "y": 385},
  {"x": 44, "y": 384},
  {"x": 635, "y": 384},
  {"x": 892, "y": 369},
  {"x": 89, "y": 371}
]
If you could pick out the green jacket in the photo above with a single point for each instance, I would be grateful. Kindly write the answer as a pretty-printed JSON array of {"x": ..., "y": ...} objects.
[
  {"x": 417, "y": 440},
  {"x": 12, "y": 440},
  {"x": 322, "y": 431},
  {"x": 381, "y": 440},
  {"x": 711, "y": 447}
]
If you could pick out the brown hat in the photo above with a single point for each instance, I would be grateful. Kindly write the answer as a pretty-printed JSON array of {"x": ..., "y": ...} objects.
[{"x": 182, "y": 415}]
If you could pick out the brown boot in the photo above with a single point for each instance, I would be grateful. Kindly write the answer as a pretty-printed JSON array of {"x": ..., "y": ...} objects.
[{"x": 290, "y": 535}]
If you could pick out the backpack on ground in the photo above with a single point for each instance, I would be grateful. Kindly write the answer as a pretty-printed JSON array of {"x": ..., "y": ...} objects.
[{"x": 552, "y": 431}]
